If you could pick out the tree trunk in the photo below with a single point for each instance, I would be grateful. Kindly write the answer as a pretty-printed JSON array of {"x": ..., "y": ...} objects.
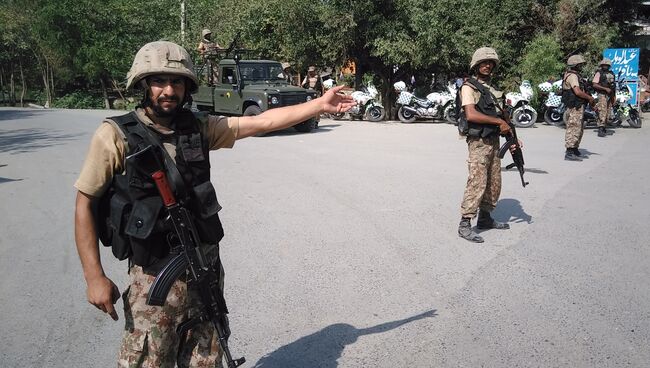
[
  {"x": 22, "y": 84},
  {"x": 358, "y": 74},
  {"x": 117, "y": 88},
  {"x": 12, "y": 88},
  {"x": 107, "y": 103},
  {"x": 51, "y": 84},
  {"x": 2, "y": 85}
]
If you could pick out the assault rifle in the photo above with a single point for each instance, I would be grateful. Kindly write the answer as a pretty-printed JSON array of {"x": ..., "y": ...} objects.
[
  {"x": 187, "y": 256},
  {"x": 512, "y": 140}
]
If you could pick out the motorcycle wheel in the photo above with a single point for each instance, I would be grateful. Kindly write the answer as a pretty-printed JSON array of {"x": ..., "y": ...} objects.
[
  {"x": 645, "y": 107},
  {"x": 450, "y": 115},
  {"x": 375, "y": 114},
  {"x": 524, "y": 116},
  {"x": 553, "y": 117},
  {"x": 405, "y": 116},
  {"x": 616, "y": 119},
  {"x": 634, "y": 120}
]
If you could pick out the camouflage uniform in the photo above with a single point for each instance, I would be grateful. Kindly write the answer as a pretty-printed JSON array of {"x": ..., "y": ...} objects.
[
  {"x": 603, "y": 107},
  {"x": 150, "y": 338},
  {"x": 604, "y": 104},
  {"x": 574, "y": 129},
  {"x": 484, "y": 181}
]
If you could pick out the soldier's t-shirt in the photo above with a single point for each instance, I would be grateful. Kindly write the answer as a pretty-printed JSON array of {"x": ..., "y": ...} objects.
[
  {"x": 470, "y": 96},
  {"x": 570, "y": 80},
  {"x": 107, "y": 150},
  {"x": 610, "y": 79}
]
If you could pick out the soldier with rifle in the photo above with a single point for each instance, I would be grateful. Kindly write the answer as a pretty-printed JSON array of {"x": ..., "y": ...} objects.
[
  {"x": 482, "y": 124},
  {"x": 574, "y": 97},
  {"x": 145, "y": 191},
  {"x": 604, "y": 83}
]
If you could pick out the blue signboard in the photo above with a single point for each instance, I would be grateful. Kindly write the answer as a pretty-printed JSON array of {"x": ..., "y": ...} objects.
[{"x": 626, "y": 61}]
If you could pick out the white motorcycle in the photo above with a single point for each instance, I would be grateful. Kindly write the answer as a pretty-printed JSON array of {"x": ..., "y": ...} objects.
[
  {"x": 622, "y": 111},
  {"x": 367, "y": 107},
  {"x": 447, "y": 100},
  {"x": 437, "y": 105},
  {"x": 553, "y": 106},
  {"x": 518, "y": 103}
]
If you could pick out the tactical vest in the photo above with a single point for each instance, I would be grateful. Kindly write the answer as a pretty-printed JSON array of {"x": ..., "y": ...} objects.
[
  {"x": 486, "y": 105},
  {"x": 604, "y": 81},
  {"x": 130, "y": 215},
  {"x": 569, "y": 98}
]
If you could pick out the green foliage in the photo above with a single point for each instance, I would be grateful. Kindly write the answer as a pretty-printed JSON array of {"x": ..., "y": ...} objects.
[
  {"x": 85, "y": 41},
  {"x": 79, "y": 100},
  {"x": 541, "y": 60}
]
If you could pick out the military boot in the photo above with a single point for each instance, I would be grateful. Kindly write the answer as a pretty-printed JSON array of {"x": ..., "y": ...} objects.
[
  {"x": 485, "y": 221},
  {"x": 465, "y": 231},
  {"x": 578, "y": 153},
  {"x": 571, "y": 156},
  {"x": 602, "y": 132}
]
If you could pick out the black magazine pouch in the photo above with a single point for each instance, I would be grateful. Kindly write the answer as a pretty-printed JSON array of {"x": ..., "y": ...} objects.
[{"x": 208, "y": 225}]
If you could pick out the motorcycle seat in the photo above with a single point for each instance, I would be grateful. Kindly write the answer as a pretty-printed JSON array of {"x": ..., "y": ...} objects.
[{"x": 422, "y": 101}]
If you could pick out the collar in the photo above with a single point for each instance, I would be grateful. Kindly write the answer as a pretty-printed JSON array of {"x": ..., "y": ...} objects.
[{"x": 142, "y": 116}]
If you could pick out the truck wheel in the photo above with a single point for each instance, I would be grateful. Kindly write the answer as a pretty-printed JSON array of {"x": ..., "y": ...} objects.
[
  {"x": 306, "y": 126},
  {"x": 252, "y": 110}
]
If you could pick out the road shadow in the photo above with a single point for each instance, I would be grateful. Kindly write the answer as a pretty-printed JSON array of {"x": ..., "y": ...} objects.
[
  {"x": 11, "y": 114},
  {"x": 322, "y": 349},
  {"x": 510, "y": 210},
  {"x": 29, "y": 140},
  {"x": 291, "y": 131},
  {"x": 7, "y": 180},
  {"x": 532, "y": 170}
]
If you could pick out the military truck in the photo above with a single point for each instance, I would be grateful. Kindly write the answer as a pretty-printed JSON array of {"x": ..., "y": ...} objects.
[{"x": 248, "y": 87}]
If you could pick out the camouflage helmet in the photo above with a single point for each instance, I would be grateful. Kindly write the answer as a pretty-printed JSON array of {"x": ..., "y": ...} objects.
[
  {"x": 484, "y": 54},
  {"x": 161, "y": 57},
  {"x": 605, "y": 61},
  {"x": 205, "y": 32},
  {"x": 575, "y": 60}
]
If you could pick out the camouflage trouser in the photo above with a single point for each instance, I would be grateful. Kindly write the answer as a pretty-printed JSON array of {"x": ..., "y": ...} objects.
[
  {"x": 574, "y": 130},
  {"x": 603, "y": 106},
  {"x": 150, "y": 339},
  {"x": 484, "y": 180}
]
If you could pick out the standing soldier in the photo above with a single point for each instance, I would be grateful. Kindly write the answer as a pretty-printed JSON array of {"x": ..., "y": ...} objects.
[
  {"x": 481, "y": 123},
  {"x": 574, "y": 98},
  {"x": 207, "y": 46},
  {"x": 164, "y": 73},
  {"x": 313, "y": 81},
  {"x": 604, "y": 83}
]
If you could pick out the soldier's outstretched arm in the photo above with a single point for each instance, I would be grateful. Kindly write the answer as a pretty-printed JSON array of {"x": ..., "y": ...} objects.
[
  {"x": 101, "y": 291},
  {"x": 284, "y": 117}
]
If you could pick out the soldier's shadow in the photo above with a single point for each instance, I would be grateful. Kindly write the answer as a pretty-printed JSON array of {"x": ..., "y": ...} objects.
[
  {"x": 510, "y": 210},
  {"x": 322, "y": 349}
]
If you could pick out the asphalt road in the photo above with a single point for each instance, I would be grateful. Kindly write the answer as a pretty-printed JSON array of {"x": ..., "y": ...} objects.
[{"x": 341, "y": 250}]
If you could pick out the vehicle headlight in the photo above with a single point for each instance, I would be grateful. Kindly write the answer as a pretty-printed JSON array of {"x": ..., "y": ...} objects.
[
  {"x": 275, "y": 100},
  {"x": 309, "y": 98}
]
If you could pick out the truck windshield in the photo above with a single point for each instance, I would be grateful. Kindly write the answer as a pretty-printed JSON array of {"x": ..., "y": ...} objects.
[{"x": 257, "y": 72}]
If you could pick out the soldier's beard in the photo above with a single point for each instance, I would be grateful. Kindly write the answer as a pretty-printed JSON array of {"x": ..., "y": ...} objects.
[{"x": 161, "y": 112}]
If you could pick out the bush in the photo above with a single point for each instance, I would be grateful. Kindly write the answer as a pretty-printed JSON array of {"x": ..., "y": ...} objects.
[
  {"x": 79, "y": 100},
  {"x": 542, "y": 60}
]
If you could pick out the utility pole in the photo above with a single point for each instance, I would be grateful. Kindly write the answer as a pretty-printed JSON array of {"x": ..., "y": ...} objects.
[{"x": 183, "y": 14}]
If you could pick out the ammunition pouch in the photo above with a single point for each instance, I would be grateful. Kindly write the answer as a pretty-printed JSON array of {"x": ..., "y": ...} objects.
[
  {"x": 130, "y": 217},
  {"x": 486, "y": 105}
]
